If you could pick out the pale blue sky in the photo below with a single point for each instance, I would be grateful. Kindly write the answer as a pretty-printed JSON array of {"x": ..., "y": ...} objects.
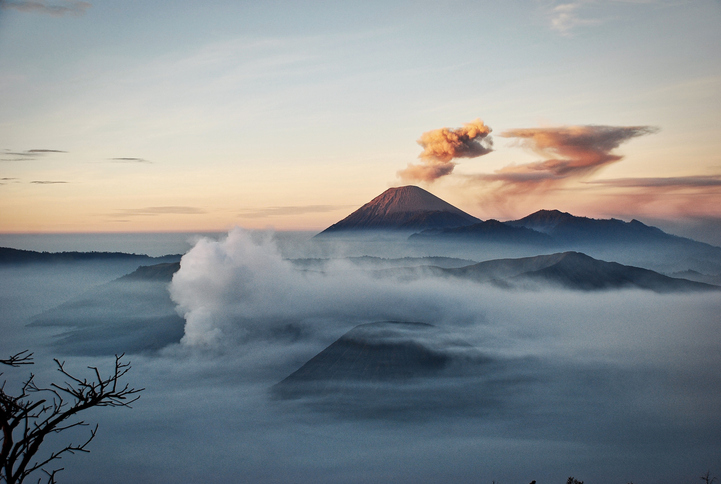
[{"x": 223, "y": 110}]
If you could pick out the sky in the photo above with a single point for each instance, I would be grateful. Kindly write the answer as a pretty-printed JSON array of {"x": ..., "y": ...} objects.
[{"x": 147, "y": 116}]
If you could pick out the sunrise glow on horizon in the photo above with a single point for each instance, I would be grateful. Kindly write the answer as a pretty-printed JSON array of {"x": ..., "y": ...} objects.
[{"x": 144, "y": 117}]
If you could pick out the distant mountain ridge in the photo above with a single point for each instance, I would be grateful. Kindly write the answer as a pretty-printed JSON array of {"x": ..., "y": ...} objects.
[
  {"x": 574, "y": 270},
  {"x": 556, "y": 227},
  {"x": 489, "y": 231},
  {"x": 564, "y": 227},
  {"x": 569, "y": 270},
  {"x": 408, "y": 208},
  {"x": 633, "y": 243},
  {"x": 19, "y": 256}
]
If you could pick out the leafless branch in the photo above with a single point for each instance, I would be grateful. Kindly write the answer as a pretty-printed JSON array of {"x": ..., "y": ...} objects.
[
  {"x": 18, "y": 359},
  {"x": 25, "y": 421}
]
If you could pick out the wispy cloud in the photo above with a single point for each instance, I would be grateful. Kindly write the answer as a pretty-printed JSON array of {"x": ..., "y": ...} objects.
[
  {"x": 8, "y": 155},
  {"x": 684, "y": 196},
  {"x": 57, "y": 9},
  {"x": 6, "y": 180},
  {"x": 129, "y": 160},
  {"x": 289, "y": 210},
  {"x": 565, "y": 17},
  {"x": 152, "y": 211},
  {"x": 667, "y": 182},
  {"x": 47, "y": 182}
]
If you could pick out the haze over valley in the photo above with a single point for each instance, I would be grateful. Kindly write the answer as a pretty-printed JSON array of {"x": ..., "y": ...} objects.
[
  {"x": 407, "y": 242},
  {"x": 386, "y": 330}
]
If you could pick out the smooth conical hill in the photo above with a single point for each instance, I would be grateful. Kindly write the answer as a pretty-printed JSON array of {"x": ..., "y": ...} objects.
[{"x": 408, "y": 208}]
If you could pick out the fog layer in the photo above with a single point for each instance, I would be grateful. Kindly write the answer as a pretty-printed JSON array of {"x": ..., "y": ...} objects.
[{"x": 609, "y": 386}]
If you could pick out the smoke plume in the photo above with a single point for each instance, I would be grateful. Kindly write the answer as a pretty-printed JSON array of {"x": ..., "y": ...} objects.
[
  {"x": 442, "y": 146},
  {"x": 569, "y": 151},
  {"x": 240, "y": 288}
]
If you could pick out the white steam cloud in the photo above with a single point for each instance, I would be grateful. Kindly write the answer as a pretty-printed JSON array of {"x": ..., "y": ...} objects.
[{"x": 241, "y": 288}]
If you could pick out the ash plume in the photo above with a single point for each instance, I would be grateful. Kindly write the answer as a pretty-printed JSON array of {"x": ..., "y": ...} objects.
[
  {"x": 570, "y": 151},
  {"x": 442, "y": 146}
]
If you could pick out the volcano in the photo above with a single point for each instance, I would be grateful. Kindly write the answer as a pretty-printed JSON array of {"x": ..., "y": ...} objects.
[
  {"x": 388, "y": 351},
  {"x": 408, "y": 209},
  {"x": 394, "y": 370}
]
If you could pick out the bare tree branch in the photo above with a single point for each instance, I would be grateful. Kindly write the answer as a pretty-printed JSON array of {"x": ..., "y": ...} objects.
[
  {"x": 22, "y": 358},
  {"x": 26, "y": 422}
]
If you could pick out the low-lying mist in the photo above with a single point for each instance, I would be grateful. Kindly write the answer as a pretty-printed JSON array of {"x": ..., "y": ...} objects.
[{"x": 607, "y": 386}]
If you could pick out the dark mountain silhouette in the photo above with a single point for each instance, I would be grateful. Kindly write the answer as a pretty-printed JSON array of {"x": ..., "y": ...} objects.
[
  {"x": 573, "y": 270},
  {"x": 387, "y": 351},
  {"x": 698, "y": 277},
  {"x": 632, "y": 243},
  {"x": 488, "y": 231},
  {"x": 552, "y": 227},
  {"x": 131, "y": 314},
  {"x": 400, "y": 371},
  {"x": 566, "y": 228},
  {"x": 408, "y": 208},
  {"x": 375, "y": 352},
  {"x": 17, "y": 256},
  {"x": 158, "y": 272},
  {"x": 542, "y": 221},
  {"x": 372, "y": 262}
]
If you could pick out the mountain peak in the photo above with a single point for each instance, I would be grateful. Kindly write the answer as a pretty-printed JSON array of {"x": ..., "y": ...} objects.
[
  {"x": 543, "y": 220},
  {"x": 404, "y": 208},
  {"x": 409, "y": 198}
]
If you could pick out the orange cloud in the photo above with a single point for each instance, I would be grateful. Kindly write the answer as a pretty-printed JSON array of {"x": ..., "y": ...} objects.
[
  {"x": 441, "y": 146},
  {"x": 570, "y": 151},
  {"x": 696, "y": 195}
]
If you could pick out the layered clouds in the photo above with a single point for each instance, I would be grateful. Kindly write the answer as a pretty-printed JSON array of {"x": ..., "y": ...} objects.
[{"x": 568, "y": 154}]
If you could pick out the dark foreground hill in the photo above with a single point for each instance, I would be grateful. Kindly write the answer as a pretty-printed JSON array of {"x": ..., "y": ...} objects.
[{"x": 408, "y": 208}]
